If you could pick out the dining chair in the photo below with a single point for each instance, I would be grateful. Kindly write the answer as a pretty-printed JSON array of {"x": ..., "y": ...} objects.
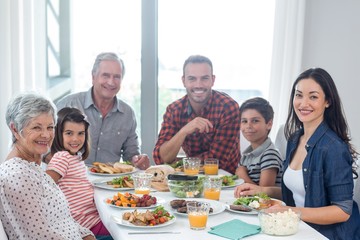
[
  {"x": 357, "y": 187},
  {"x": 3, "y": 235},
  {"x": 281, "y": 142}
]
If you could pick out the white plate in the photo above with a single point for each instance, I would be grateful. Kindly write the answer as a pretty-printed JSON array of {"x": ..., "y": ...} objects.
[
  {"x": 100, "y": 183},
  {"x": 218, "y": 207},
  {"x": 238, "y": 182},
  {"x": 122, "y": 222},
  {"x": 112, "y": 175},
  {"x": 159, "y": 201},
  {"x": 251, "y": 212},
  {"x": 241, "y": 212}
]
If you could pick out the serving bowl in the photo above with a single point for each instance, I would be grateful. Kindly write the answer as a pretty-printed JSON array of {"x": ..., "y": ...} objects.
[
  {"x": 186, "y": 188},
  {"x": 279, "y": 222}
]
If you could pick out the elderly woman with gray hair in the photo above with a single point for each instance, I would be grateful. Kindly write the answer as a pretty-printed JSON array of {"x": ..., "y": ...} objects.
[{"x": 31, "y": 204}]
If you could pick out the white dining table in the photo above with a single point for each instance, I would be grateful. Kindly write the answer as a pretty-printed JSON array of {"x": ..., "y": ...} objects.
[{"x": 180, "y": 229}]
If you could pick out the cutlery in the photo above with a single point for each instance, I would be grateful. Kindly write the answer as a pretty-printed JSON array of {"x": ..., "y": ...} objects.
[{"x": 133, "y": 233}]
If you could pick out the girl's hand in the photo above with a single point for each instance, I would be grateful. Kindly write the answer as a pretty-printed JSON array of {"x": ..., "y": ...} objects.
[{"x": 246, "y": 189}]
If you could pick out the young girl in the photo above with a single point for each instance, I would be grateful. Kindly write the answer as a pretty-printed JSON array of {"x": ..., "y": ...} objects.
[
  {"x": 69, "y": 150},
  {"x": 260, "y": 163}
]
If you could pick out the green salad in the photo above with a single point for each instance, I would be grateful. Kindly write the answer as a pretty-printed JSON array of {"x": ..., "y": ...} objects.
[
  {"x": 183, "y": 189},
  {"x": 229, "y": 180},
  {"x": 248, "y": 200}
]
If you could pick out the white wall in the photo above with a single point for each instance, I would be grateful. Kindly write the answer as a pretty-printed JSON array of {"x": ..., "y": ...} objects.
[{"x": 332, "y": 42}]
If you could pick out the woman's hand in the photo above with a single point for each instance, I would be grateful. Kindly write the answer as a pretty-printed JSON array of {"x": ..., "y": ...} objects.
[
  {"x": 89, "y": 237},
  {"x": 141, "y": 161},
  {"x": 247, "y": 189}
]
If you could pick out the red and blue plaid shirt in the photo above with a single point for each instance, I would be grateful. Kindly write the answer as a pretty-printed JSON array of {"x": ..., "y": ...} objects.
[{"x": 223, "y": 140}]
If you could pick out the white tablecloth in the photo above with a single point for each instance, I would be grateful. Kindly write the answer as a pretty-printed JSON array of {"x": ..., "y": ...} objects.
[{"x": 120, "y": 232}]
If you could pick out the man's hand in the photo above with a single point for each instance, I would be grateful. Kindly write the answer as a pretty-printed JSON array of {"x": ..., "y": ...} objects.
[
  {"x": 198, "y": 124},
  {"x": 141, "y": 161}
]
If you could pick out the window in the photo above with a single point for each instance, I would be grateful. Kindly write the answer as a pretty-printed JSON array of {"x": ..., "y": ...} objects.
[
  {"x": 58, "y": 47},
  {"x": 107, "y": 26},
  {"x": 235, "y": 35}
]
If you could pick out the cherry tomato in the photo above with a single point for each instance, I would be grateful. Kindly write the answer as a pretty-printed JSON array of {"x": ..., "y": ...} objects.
[{"x": 162, "y": 220}]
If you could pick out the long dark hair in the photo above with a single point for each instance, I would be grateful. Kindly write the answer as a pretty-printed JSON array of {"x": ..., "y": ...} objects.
[
  {"x": 334, "y": 115},
  {"x": 68, "y": 114}
]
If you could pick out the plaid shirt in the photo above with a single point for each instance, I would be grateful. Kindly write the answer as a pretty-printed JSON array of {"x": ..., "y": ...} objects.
[{"x": 223, "y": 140}]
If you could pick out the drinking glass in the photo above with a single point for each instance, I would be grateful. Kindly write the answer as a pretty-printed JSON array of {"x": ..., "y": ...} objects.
[
  {"x": 198, "y": 213},
  {"x": 212, "y": 187},
  {"x": 142, "y": 182},
  {"x": 211, "y": 166},
  {"x": 191, "y": 165}
]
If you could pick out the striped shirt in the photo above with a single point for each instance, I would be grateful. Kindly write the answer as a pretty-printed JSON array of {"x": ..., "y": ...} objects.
[
  {"x": 265, "y": 156},
  {"x": 76, "y": 187},
  {"x": 223, "y": 140}
]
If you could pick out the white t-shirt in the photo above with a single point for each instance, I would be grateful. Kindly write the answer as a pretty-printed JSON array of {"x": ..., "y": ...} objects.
[{"x": 293, "y": 180}]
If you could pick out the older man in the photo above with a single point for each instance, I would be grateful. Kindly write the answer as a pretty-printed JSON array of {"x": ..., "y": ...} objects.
[
  {"x": 112, "y": 121},
  {"x": 205, "y": 122}
]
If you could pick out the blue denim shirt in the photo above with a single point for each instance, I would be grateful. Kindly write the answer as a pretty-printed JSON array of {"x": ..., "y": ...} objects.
[{"x": 328, "y": 179}]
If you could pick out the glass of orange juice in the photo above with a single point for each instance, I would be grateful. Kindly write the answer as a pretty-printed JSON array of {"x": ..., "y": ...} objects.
[
  {"x": 212, "y": 188},
  {"x": 142, "y": 182},
  {"x": 211, "y": 166},
  {"x": 198, "y": 213},
  {"x": 191, "y": 165}
]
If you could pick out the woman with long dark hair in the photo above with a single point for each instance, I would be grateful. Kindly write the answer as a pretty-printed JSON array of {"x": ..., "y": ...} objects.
[{"x": 319, "y": 165}]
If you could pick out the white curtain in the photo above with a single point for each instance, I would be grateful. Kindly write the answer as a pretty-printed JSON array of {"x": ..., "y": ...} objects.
[
  {"x": 22, "y": 40},
  {"x": 287, "y": 55}
]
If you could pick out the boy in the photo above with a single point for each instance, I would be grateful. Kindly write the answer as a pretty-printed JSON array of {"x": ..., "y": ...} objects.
[{"x": 260, "y": 163}]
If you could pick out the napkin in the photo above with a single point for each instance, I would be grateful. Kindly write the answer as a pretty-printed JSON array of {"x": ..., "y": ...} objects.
[{"x": 235, "y": 229}]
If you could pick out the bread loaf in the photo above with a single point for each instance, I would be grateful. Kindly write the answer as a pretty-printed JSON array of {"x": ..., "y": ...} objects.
[
  {"x": 123, "y": 168},
  {"x": 160, "y": 172}
]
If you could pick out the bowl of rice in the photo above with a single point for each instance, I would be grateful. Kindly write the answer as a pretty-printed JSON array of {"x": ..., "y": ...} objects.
[{"x": 279, "y": 222}]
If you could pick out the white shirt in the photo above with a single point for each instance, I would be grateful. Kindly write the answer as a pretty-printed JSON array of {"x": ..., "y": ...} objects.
[{"x": 293, "y": 180}]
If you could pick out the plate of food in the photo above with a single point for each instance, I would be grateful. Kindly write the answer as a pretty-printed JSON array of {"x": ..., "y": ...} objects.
[
  {"x": 231, "y": 181},
  {"x": 178, "y": 206},
  {"x": 121, "y": 183},
  {"x": 253, "y": 204},
  {"x": 129, "y": 200},
  {"x": 111, "y": 169},
  {"x": 159, "y": 217}
]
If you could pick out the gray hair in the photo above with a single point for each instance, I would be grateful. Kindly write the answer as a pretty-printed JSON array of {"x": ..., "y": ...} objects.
[
  {"x": 107, "y": 56},
  {"x": 26, "y": 106},
  {"x": 197, "y": 59}
]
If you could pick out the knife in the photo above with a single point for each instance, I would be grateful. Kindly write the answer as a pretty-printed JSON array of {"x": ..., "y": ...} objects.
[{"x": 133, "y": 233}]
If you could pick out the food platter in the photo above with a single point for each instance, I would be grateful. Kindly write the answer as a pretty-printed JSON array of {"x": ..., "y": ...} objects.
[
  {"x": 254, "y": 212},
  {"x": 241, "y": 212},
  {"x": 125, "y": 223},
  {"x": 112, "y": 175},
  {"x": 218, "y": 207},
  {"x": 159, "y": 201},
  {"x": 101, "y": 183},
  {"x": 238, "y": 182}
]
